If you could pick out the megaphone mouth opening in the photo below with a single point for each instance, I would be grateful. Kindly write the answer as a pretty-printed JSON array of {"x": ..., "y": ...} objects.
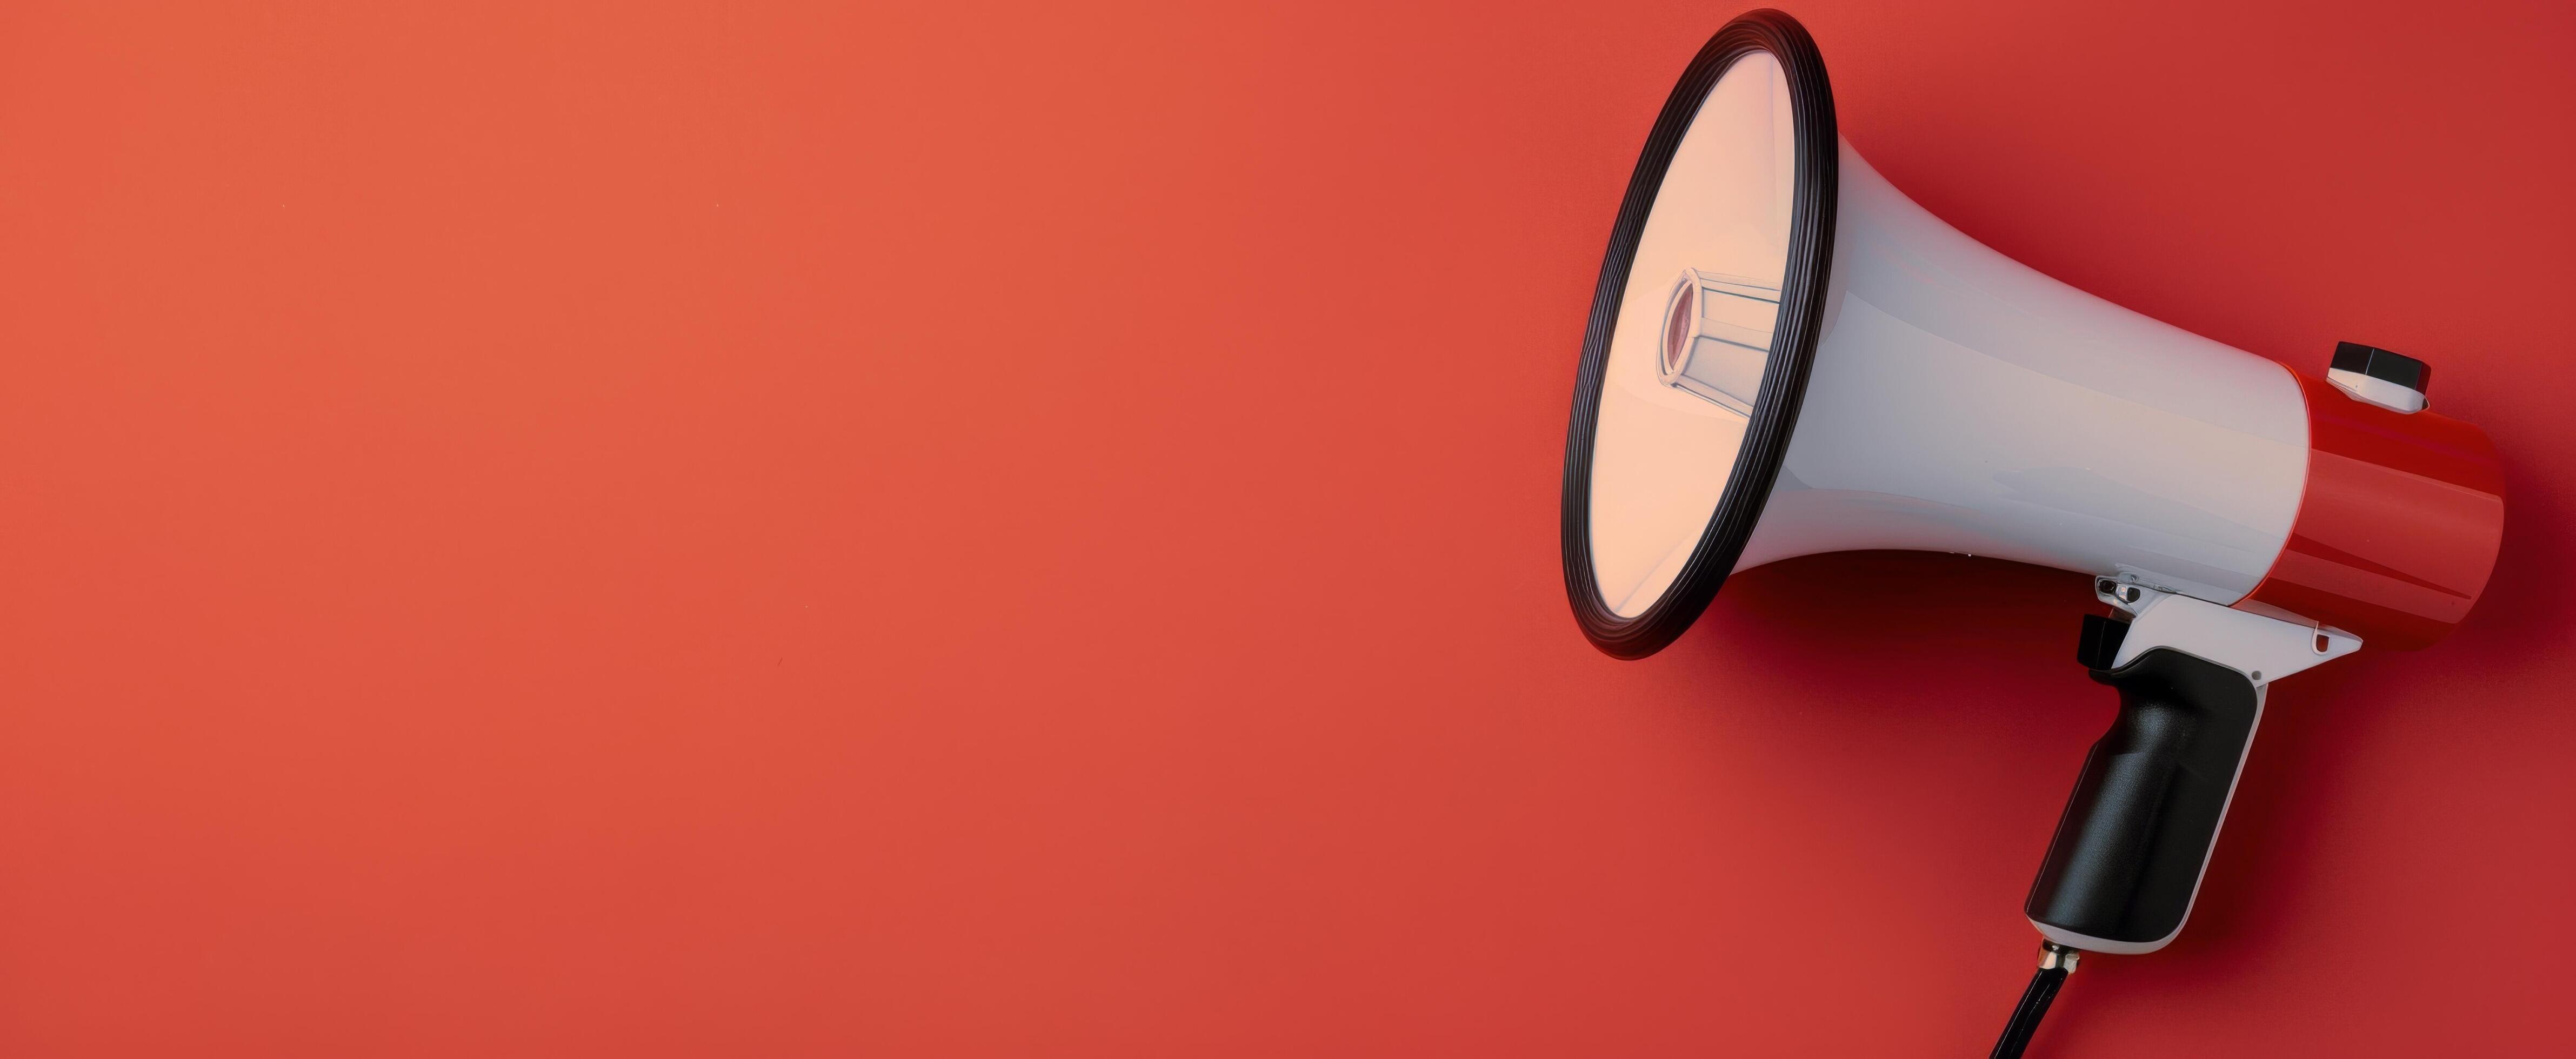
[{"x": 1771, "y": 413}]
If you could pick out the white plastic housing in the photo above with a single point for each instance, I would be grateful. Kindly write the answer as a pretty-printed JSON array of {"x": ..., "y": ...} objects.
[
  {"x": 2395, "y": 397},
  {"x": 1962, "y": 402}
]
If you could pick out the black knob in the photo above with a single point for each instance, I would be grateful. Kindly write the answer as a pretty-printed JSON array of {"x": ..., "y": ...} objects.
[{"x": 2384, "y": 365}]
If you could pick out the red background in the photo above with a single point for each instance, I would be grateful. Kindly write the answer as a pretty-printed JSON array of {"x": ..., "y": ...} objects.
[{"x": 1010, "y": 530}]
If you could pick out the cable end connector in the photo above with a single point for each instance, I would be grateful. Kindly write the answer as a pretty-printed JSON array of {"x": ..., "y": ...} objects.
[{"x": 2055, "y": 963}]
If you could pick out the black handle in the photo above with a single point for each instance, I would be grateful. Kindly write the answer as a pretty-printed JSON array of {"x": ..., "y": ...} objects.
[{"x": 2129, "y": 851}]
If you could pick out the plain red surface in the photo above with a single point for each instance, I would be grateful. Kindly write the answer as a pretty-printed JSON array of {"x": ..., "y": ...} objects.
[{"x": 942, "y": 530}]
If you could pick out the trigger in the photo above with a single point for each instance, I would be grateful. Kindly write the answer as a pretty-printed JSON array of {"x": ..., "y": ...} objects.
[{"x": 2100, "y": 641}]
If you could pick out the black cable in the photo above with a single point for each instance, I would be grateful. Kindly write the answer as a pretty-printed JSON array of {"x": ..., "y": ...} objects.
[{"x": 2055, "y": 963}]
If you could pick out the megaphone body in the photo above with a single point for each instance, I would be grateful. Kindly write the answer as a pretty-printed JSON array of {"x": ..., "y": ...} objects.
[
  {"x": 1786, "y": 356},
  {"x": 1961, "y": 402}
]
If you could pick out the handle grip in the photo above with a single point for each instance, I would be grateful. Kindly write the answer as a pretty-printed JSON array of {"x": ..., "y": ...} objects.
[{"x": 2122, "y": 871}]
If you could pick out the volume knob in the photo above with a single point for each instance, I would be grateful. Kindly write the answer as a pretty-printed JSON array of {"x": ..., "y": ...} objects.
[{"x": 2382, "y": 377}]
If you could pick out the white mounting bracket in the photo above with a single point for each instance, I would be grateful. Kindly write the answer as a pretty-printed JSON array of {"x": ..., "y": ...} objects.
[{"x": 2264, "y": 649}]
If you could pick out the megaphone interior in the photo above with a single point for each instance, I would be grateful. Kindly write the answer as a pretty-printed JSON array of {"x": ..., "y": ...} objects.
[{"x": 1786, "y": 356}]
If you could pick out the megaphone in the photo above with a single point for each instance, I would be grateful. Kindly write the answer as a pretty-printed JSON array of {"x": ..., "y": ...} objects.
[{"x": 1787, "y": 356}]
